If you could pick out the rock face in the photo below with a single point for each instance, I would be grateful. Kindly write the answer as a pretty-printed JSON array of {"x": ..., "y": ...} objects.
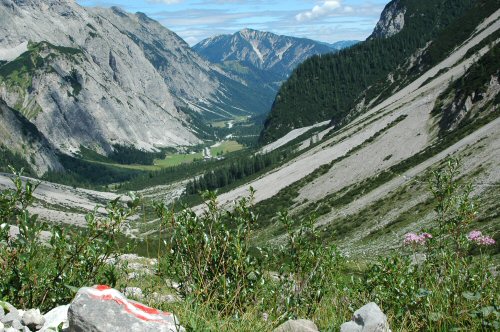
[
  {"x": 21, "y": 136},
  {"x": 273, "y": 55},
  {"x": 101, "y": 77},
  {"x": 369, "y": 318},
  {"x": 297, "y": 325},
  {"x": 103, "y": 309},
  {"x": 392, "y": 20}
]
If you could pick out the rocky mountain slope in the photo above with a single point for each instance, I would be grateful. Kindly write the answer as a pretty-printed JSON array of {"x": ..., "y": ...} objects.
[
  {"x": 411, "y": 37},
  {"x": 274, "y": 55},
  {"x": 102, "y": 77},
  {"x": 264, "y": 59},
  {"x": 367, "y": 181}
]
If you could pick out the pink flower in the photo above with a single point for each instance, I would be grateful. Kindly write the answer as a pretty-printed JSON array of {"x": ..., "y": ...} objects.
[
  {"x": 478, "y": 238},
  {"x": 474, "y": 235},
  {"x": 412, "y": 238}
]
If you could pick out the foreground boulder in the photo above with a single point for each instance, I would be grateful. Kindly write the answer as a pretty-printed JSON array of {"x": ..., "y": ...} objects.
[
  {"x": 368, "y": 318},
  {"x": 297, "y": 325},
  {"x": 103, "y": 309}
]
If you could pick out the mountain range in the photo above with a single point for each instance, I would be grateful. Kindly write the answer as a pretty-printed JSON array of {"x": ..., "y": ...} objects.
[{"x": 100, "y": 78}]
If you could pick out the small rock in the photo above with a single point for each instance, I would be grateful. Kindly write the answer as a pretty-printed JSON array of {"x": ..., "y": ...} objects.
[
  {"x": 56, "y": 317},
  {"x": 10, "y": 317},
  {"x": 2, "y": 327},
  {"x": 11, "y": 329},
  {"x": 16, "y": 324},
  {"x": 368, "y": 318},
  {"x": 33, "y": 319},
  {"x": 164, "y": 298},
  {"x": 103, "y": 309},
  {"x": 298, "y": 325},
  {"x": 134, "y": 292},
  {"x": 2, "y": 312}
]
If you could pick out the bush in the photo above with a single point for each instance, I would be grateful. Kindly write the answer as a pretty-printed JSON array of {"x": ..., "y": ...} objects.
[
  {"x": 210, "y": 254},
  {"x": 439, "y": 285},
  {"x": 43, "y": 264},
  {"x": 308, "y": 270}
]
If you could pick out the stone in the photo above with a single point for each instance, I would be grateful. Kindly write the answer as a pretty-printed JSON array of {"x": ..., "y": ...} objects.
[
  {"x": 33, "y": 319},
  {"x": 16, "y": 324},
  {"x": 11, "y": 329},
  {"x": 2, "y": 327},
  {"x": 368, "y": 318},
  {"x": 11, "y": 317},
  {"x": 134, "y": 292},
  {"x": 297, "y": 325},
  {"x": 103, "y": 309},
  {"x": 2, "y": 312},
  {"x": 56, "y": 317},
  {"x": 164, "y": 298}
]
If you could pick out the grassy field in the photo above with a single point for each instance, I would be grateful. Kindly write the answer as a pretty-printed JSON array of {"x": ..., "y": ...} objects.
[{"x": 180, "y": 158}]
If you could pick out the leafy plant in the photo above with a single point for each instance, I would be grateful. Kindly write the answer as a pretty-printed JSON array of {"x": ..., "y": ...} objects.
[
  {"x": 308, "y": 269},
  {"x": 210, "y": 255},
  {"x": 43, "y": 263}
]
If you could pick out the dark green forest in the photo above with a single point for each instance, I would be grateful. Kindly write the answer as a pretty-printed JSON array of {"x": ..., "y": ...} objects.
[{"x": 329, "y": 86}]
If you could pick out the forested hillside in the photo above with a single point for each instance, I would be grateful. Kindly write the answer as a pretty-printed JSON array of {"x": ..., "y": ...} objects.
[{"x": 330, "y": 86}]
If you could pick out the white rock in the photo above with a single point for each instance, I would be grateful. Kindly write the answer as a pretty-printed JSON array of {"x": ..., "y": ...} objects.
[
  {"x": 55, "y": 317},
  {"x": 298, "y": 325},
  {"x": 33, "y": 319},
  {"x": 134, "y": 292},
  {"x": 368, "y": 318}
]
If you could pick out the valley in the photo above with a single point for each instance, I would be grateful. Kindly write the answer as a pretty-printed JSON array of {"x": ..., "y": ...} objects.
[{"x": 260, "y": 178}]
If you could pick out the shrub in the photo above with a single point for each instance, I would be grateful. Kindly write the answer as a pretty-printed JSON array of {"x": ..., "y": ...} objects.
[
  {"x": 210, "y": 254},
  {"x": 308, "y": 269},
  {"x": 44, "y": 263},
  {"x": 439, "y": 285}
]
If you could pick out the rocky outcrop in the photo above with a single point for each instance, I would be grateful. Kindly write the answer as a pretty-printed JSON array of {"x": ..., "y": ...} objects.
[
  {"x": 22, "y": 137},
  {"x": 102, "y": 77},
  {"x": 368, "y": 318},
  {"x": 392, "y": 21}
]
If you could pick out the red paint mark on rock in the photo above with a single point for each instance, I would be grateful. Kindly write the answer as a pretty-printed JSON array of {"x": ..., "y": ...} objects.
[
  {"x": 102, "y": 287},
  {"x": 138, "y": 310}
]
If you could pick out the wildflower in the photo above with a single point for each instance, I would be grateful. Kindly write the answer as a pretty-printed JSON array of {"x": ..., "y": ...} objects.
[
  {"x": 474, "y": 235},
  {"x": 412, "y": 238},
  {"x": 480, "y": 239}
]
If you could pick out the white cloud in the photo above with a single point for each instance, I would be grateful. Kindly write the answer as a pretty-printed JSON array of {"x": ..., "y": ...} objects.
[
  {"x": 348, "y": 9},
  {"x": 167, "y": 2},
  {"x": 318, "y": 10}
]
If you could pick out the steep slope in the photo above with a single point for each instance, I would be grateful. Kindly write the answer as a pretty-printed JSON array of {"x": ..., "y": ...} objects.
[
  {"x": 102, "y": 77},
  {"x": 19, "y": 140},
  {"x": 366, "y": 182},
  {"x": 411, "y": 37}
]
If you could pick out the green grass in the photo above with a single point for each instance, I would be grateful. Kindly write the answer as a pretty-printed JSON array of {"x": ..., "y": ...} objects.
[{"x": 172, "y": 160}]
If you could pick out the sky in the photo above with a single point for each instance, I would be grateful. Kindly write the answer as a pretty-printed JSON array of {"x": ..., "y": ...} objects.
[{"x": 322, "y": 20}]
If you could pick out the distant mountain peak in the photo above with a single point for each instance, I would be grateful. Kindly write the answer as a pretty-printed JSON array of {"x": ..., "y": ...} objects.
[
  {"x": 392, "y": 20},
  {"x": 276, "y": 54}
]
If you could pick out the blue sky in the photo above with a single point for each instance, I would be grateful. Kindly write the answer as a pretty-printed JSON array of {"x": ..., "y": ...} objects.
[{"x": 195, "y": 20}]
